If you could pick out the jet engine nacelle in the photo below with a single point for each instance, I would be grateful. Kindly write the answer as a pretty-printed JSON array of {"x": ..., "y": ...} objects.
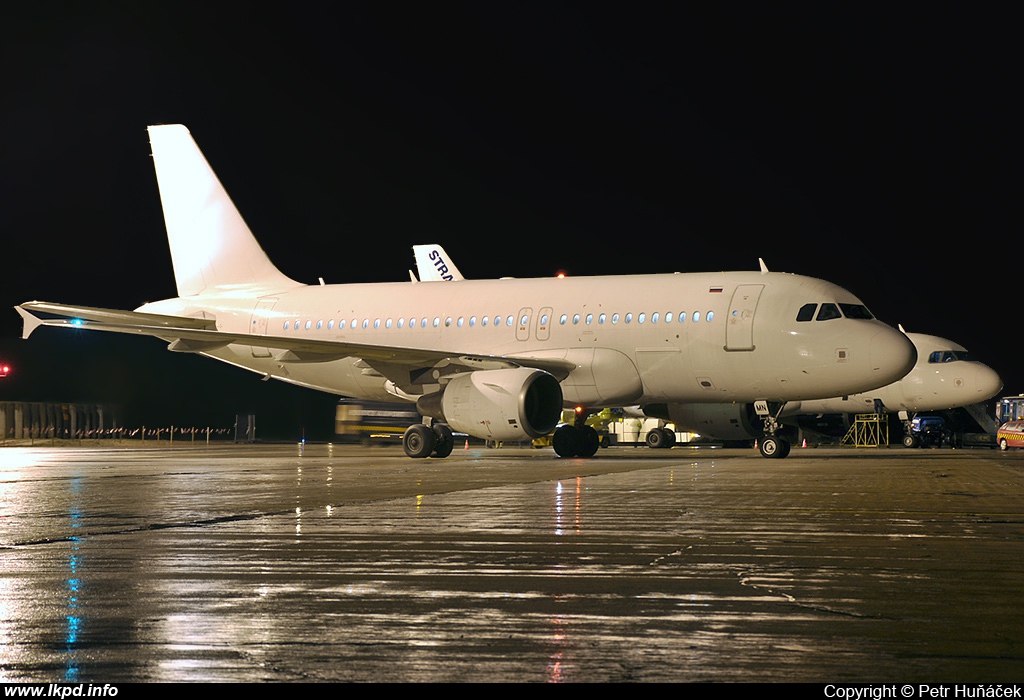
[{"x": 498, "y": 404}]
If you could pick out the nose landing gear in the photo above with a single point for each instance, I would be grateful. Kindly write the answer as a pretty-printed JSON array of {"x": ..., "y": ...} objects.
[{"x": 771, "y": 445}]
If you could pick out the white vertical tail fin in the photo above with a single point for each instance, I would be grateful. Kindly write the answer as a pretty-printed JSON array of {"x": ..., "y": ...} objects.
[{"x": 212, "y": 248}]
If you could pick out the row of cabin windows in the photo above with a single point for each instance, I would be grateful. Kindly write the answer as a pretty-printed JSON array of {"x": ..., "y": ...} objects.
[
  {"x": 564, "y": 319},
  {"x": 628, "y": 318}
]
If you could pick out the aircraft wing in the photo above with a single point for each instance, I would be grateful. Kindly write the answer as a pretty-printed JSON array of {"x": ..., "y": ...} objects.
[{"x": 186, "y": 334}]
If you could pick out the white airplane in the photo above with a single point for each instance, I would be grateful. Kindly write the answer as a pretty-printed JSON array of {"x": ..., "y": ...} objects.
[
  {"x": 497, "y": 359},
  {"x": 943, "y": 378}
]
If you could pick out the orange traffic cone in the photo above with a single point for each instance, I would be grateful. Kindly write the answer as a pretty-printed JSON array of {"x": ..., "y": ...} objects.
[
  {"x": 805, "y": 443},
  {"x": 755, "y": 443},
  {"x": 467, "y": 444}
]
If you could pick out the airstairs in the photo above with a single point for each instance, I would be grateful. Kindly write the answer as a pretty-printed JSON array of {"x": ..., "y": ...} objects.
[{"x": 980, "y": 413}]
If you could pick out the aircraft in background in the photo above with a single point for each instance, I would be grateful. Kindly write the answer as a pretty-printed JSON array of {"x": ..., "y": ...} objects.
[
  {"x": 497, "y": 359},
  {"x": 434, "y": 265},
  {"x": 944, "y": 377}
]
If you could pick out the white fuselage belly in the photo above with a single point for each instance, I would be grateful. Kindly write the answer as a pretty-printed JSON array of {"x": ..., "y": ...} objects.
[{"x": 635, "y": 339}]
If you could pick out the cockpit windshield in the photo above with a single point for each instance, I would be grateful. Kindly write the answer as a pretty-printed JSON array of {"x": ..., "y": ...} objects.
[
  {"x": 949, "y": 356},
  {"x": 829, "y": 310}
]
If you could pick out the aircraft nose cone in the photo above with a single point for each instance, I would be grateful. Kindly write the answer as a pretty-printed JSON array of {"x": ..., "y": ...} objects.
[
  {"x": 986, "y": 382},
  {"x": 892, "y": 355}
]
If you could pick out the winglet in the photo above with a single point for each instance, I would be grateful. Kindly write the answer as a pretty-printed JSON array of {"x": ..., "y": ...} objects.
[
  {"x": 764, "y": 268},
  {"x": 31, "y": 322},
  {"x": 434, "y": 265}
]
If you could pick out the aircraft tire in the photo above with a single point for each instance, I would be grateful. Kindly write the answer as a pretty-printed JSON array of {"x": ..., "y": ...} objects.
[
  {"x": 773, "y": 447},
  {"x": 656, "y": 439},
  {"x": 589, "y": 442},
  {"x": 670, "y": 438},
  {"x": 418, "y": 441},
  {"x": 567, "y": 441},
  {"x": 909, "y": 441},
  {"x": 444, "y": 441}
]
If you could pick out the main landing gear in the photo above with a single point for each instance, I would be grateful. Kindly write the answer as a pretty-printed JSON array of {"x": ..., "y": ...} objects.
[
  {"x": 576, "y": 440},
  {"x": 428, "y": 440},
  {"x": 771, "y": 445}
]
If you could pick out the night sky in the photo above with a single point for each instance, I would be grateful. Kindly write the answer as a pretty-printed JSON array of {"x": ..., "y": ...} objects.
[{"x": 877, "y": 149}]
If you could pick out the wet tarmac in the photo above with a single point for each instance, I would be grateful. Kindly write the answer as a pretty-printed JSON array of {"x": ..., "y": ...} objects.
[{"x": 270, "y": 563}]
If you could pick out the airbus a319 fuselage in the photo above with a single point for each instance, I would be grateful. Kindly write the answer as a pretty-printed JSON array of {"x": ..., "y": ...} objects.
[{"x": 496, "y": 359}]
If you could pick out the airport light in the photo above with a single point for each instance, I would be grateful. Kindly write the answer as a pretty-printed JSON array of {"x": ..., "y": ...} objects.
[{"x": 5, "y": 369}]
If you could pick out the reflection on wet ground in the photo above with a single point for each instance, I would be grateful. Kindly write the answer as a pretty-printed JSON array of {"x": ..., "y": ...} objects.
[{"x": 267, "y": 563}]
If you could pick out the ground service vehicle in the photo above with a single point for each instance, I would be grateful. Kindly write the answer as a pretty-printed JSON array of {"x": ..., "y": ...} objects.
[
  {"x": 926, "y": 431},
  {"x": 367, "y": 422},
  {"x": 1010, "y": 434}
]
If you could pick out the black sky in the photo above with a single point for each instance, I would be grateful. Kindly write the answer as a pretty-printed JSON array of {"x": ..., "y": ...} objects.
[{"x": 875, "y": 148}]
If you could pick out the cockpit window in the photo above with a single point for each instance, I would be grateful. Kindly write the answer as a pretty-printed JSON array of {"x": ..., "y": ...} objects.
[
  {"x": 828, "y": 311},
  {"x": 855, "y": 311},
  {"x": 806, "y": 312},
  {"x": 949, "y": 356}
]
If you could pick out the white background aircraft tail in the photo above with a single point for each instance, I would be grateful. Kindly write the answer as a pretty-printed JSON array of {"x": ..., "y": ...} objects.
[{"x": 434, "y": 265}]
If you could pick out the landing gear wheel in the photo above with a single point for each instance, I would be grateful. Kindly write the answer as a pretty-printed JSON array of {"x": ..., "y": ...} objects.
[
  {"x": 589, "y": 442},
  {"x": 660, "y": 438},
  {"x": 656, "y": 439},
  {"x": 567, "y": 441},
  {"x": 444, "y": 441},
  {"x": 670, "y": 437},
  {"x": 774, "y": 447},
  {"x": 909, "y": 441},
  {"x": 418, "y": 441}
]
